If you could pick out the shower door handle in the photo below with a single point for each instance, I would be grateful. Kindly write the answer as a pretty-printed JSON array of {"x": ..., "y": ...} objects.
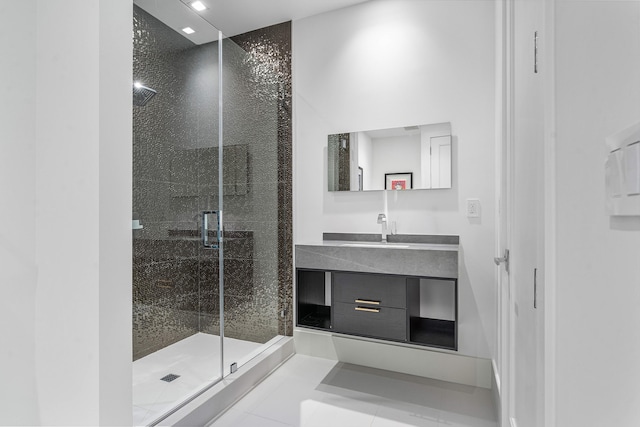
[{"x": 215, "y": 244}]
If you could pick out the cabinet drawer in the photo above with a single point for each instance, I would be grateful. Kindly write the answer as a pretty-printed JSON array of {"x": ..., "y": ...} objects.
[
  {"x": 381, "y": 290},
  {"x": 380, "y": 322}
]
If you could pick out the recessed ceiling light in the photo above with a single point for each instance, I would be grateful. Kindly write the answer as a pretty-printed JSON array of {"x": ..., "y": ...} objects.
[
  {"x": 199, "y": 6},
  {"x": 188, "y": 30}
]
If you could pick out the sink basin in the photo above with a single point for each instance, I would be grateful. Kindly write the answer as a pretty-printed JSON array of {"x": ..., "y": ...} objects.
[{"x": 376, "y": 245}]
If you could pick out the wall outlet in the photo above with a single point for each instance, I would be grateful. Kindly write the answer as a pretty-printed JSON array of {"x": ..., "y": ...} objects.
[{"x": 473, "y": 208}]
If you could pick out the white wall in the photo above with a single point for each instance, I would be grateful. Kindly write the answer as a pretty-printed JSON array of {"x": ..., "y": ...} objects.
[
  {"x": 598, "y": 257},
  {"x": 18, "y": 272},
  {"x": 114, "y": 209},
  {"x": 391, "y": 63},
  {"x": 66, "y": 258}
]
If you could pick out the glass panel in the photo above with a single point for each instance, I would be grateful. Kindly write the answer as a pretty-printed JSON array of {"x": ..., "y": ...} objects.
[
  {"x": 254, "y": 116},
  {"x": 176, "y": 347}
]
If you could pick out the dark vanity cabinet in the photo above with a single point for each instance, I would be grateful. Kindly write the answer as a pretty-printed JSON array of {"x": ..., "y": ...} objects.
[
  {"x": 370, "y": 305},
  {"x": 416, "y": 310}
]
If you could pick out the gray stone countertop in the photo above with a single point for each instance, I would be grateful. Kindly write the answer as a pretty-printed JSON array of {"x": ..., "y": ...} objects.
[
  {"x": 403, "y": 258},
  {"x": 387, "y": 246},
  {"x": 440, "y": 239}
]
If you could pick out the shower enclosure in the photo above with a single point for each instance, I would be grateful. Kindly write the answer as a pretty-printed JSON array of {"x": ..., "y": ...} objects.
[{"x": 212, "y": 214}]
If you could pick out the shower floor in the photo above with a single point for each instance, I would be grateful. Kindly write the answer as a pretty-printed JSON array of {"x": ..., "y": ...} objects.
[{"x": 196, "y": 360}]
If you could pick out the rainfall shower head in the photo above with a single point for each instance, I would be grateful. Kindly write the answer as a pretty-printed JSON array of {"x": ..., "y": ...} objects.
[{"x": 142, "y": 94}]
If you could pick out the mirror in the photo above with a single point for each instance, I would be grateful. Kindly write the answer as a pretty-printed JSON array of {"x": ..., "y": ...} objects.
[{"x": 405, "y": 158}]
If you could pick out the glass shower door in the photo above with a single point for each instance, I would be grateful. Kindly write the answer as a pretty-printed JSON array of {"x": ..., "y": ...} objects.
[
  {"x": 177, "y": 342},
  {"x": 212, "y": 203},
  {"x": 252, "y": 291}
]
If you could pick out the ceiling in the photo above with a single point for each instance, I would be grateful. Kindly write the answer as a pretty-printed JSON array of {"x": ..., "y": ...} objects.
[{"x": 234, "y": 17}]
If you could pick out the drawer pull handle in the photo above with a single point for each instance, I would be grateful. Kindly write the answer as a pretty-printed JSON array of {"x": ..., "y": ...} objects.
[
  {"x": 364, "y": 301},
  {"x": 367, "y": 309}
]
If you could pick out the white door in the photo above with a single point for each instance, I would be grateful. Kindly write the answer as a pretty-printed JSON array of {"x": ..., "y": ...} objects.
[
  {"x": 441, "y": 162},
  {"x": 527, "y": 225}
]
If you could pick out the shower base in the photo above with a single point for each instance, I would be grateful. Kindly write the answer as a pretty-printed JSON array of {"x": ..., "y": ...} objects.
[{"x": 196, "y": 362}]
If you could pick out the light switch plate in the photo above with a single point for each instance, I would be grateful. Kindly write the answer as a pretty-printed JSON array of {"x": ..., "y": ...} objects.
[{"x": 473, "y": 208}]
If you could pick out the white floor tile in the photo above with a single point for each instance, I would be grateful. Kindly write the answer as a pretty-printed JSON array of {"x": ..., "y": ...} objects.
[
  {"x": 468, "y": 406},
  {"x": 313, "y": 392},
  {"x": 344, "y": 407},
  {"x": 291, "y": 403},
  {"x": 405, "y": 420},
  {"x": 143, "y": 416},
  {"x": 233, "y": 418},
  {"x": 388, "y": 386},
  {"x": 341, "y": 414},
  {"x": 256, "y": 421},
  {"x": 394, "y": 413},
  {"x": 458, "y": 420}
]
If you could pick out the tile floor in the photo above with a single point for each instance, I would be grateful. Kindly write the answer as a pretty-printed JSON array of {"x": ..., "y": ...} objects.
[
  {"x": 309, "y": 392},
  {"x": 196, "y": 359}
]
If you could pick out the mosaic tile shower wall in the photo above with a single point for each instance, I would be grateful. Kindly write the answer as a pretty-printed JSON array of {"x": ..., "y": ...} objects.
[
  {"x": 165, "y": 290},
  {"x": 176, "y": 282},
  {"x": 269, "y": 62}
]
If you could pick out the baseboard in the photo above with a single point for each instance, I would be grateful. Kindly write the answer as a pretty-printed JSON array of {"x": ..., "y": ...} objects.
[
  {"x": 209, "y": 405},
  {"x": 406, "y": 359},
  {"x": 314, "y": 343}
]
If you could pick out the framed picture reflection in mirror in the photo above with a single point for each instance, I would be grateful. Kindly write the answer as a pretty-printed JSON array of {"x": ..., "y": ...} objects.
[{"x": 398, "y": 181}]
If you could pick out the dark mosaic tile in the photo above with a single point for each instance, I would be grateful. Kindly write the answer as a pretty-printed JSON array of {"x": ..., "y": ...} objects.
[
  {"x": 184, "y": 213},
  {"x": 151, "y": 200},
  {"x": 173, "y": 283},
  {"x": 285, "y": 167},
  {"x": 275, "y": 43},
  {"x": 251, "y": 319},
  {"x": 151, "y": 251},
  {"x": 238, "y": 276},
  {"x": 210, "y": 323},
  {"x": 176, "y": 176},
  {"x": 239, "y": 247},
  {"x": 264, "y": 227},
  {"x": 209, "y": 298},
  {"x": 152, "y": 154},
  {"x": 157, "y": 327}
]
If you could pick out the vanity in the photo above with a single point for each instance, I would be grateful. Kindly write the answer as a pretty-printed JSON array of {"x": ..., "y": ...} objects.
[{"x": 404, "y": 290}]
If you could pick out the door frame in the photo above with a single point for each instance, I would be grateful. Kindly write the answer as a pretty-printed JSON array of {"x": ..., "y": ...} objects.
[
  {"x": 504, "y": 126},
  {"x": 504, "y": 204},
  {"x": 549, "y": 197}
]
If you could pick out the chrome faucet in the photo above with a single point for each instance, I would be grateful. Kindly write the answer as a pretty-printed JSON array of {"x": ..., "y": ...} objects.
[{"x": 382, "y": 219}]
